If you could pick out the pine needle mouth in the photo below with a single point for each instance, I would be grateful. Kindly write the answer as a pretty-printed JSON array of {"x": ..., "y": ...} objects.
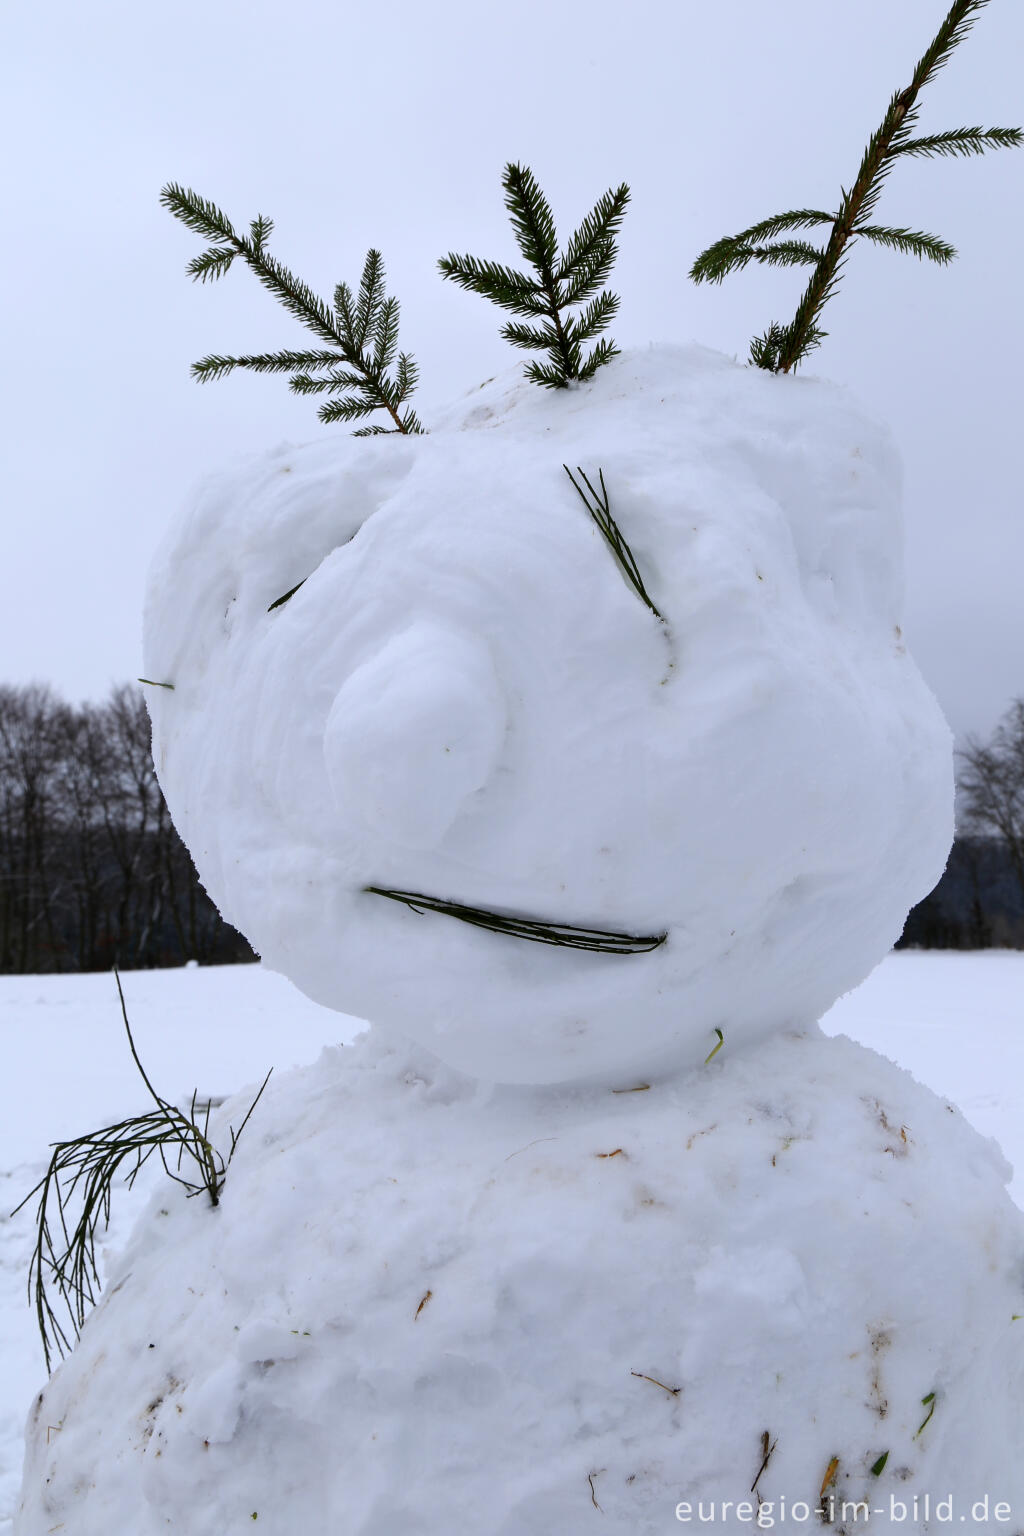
[{"x": 538, "y": 931}]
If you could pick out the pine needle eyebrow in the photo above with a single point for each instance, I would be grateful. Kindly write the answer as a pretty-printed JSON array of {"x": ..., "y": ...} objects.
[{"x": 599, "y": 507}]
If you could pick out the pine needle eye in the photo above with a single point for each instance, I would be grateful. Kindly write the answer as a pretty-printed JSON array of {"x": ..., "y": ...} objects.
[{"x": 558, "y": 284}]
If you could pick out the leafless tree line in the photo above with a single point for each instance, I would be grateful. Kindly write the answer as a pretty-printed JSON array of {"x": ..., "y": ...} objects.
[
  {"x": 92, "y": 872},
  {"x": 979, "y": 902}
]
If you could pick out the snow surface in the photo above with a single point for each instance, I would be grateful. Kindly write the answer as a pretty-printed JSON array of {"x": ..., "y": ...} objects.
[
  {"x": 797, "y": 1236},
  {"x": 465, "y": 699}
]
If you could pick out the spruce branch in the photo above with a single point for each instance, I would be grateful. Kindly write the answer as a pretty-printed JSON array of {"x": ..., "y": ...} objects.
[
  {"x": 557, "y": 284},
  {"x": 782, "y": 347},
  {"x": 962, "y": 141},
  {"x": 361, "y": 332},
  {"x": 215, "y": 366},
  {"x": 602, "y": 353},
  {"x": 911, "y": 241},
  {"x": 732, "y": 255},
  {"x": 765, "y": 349},
  {"x": 533, "y": 223},
  {"x": 407, "y": 374},
  {"x": 529, "y": 336},
  {"x": 303, "y": 384},
  {"x": 502, "y": 285},
  {"x": 593, "y": 319},
  {"x": 211, "y": 264},
  {"x": 717, "y": 261},
  {"x": 371, "y": 296}
]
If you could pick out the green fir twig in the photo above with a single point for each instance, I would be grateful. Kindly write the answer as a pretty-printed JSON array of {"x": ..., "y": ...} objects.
[
  {"x": 597, "y": 504},
  {"x": 782, "y": 347},
  {"x": 365, "y": 372},
  {"x": 541, "y": 932},
  {"x": 75, "y": 1192},
  {"x": 558, "y": 283}
]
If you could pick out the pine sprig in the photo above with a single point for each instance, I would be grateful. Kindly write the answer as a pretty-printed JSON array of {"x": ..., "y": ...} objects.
[
  {"x": 361, "y": 332},
  {"x": 557, "y": 284},
  {"x": 216, "y": 366},
  {"x": 720, "y": 259},
  {"x": 782, "y": 347},
  {"x": 961, "y": 141},
  {"x": 733, "y": 255},
  {"x": 912, "y": 242}
]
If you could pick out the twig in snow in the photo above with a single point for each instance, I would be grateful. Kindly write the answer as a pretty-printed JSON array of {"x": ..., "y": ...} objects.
[
  {"x": 422, "y": 1304},
  {"x": 767, "y": 1451},
  {"x": 642, "y": 1375}
]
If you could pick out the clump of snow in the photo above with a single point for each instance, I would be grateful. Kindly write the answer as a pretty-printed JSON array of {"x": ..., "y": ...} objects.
[
  {"x": 465, "y": 699},
  {"x": 426, "y": 1306}
]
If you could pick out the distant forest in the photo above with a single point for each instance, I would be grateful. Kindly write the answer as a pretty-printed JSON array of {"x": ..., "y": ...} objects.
[
  {"x": 93, "y": 874},
  {"x": 978, "y": 903}
]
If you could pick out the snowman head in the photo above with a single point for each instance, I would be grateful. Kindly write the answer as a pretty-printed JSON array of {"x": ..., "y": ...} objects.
[{"x": 466, "y": 783}]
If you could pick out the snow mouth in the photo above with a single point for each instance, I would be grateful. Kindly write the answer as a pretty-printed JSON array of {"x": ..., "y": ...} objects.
[{"x": 537, "y": 930}]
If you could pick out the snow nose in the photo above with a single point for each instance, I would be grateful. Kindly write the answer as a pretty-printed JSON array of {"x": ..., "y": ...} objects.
[{"x": 413, "y": 732}]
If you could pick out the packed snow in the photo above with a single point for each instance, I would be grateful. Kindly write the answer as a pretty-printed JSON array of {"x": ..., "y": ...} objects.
[
  {"x": 466, "y": 700},
  {"x": 601, "y": 1230},
  {"x": 953, "y": 1019}
]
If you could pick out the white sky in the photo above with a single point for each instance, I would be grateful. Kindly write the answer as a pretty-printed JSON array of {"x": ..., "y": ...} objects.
[{"x": 388, "y": 125}]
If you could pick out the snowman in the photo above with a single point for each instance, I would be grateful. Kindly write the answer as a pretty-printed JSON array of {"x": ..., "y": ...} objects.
[
  {"x": 594, "y": 1229},
  {"x": 576, "y": 746}
]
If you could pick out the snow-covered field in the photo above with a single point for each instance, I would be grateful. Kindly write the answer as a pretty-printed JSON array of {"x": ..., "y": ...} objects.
[{"x": 954, "y": 1020}]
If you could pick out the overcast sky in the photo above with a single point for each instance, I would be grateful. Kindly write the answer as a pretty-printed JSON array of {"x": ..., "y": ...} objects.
[{"x": 389, "y": 125}]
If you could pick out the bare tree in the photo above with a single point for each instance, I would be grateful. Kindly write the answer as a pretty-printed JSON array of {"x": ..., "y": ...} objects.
[
  {"x": 92, "y": 872},
  {"x": 992, "y": 787},
  {"x": 32, "y": 882}
]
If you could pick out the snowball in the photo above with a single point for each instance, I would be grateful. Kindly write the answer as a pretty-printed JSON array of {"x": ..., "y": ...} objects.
[
  {"x": 428, "y": 1307},
  {"x": 467, "y": 701}
]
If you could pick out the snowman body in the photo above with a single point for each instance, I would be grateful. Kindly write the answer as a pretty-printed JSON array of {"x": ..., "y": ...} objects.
[{"x": 427, "y": 1307}]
